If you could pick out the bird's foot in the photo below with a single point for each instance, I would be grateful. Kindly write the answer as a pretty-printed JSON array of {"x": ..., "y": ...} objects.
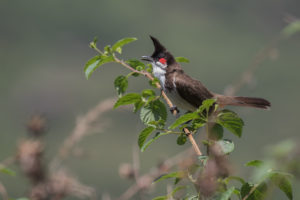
[{"x": 174, "y": 108}]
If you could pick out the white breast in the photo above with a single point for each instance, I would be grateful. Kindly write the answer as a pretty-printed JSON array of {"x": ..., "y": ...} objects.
[{"x": 159, "y": 73}]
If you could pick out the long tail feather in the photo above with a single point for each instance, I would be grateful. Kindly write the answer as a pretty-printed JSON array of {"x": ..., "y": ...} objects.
[{"x": 244, "y": 101}]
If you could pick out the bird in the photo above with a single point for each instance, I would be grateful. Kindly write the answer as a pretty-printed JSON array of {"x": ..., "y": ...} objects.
[{"x": 186, "y": 92}]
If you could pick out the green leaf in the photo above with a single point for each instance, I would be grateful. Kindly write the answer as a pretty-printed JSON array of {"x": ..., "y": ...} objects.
[
  {"x": 93, "y": 44},
  {"x": 96, "y": 62},
  {"x": 138, "y": 105},
  {"x": 291, "y": 29},
  {"x": 161, "y": 198},
  {"x": 130, "y": 98},
  {"x": 179, "y": 174},
  {"x": 154, "y": 111},
  {"x": 147, "y": 144},
  {"x": 7, "y": 171},
  {"x": 206, "y": 104},
  {"x": 227, "y": 146},
  {"x": 144, "y": 135},
  {"x": 231, "y": 121},
  {"x": 136, "y": 64},
  {"x": 121, "y": 84},
  {"x": 181, "y": 140},
  {"x": 254, "y": 163},
  {"x": 225, "y": 195},
  {"x": 182, "y": 59},
  {"x": 184, "y": 118},
  {"x": 258, "y": 194},
  {"x": 282, "y": 182},
  {"x": 216, "y": 132},
  {"x": 148, "y": 93},
  {"x": 119, "y": 44}
]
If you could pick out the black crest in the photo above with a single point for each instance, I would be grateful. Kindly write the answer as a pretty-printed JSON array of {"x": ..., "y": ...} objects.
[{"x": 160, "y": 51}]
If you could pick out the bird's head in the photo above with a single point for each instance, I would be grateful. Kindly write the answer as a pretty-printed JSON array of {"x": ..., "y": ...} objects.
[{"x": 161, "y": 57}]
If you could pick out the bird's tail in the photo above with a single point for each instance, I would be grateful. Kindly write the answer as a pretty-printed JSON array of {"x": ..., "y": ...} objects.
[{"x": 243, "y": 101}]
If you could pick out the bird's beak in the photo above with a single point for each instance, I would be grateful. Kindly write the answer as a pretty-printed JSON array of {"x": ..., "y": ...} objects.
[{"x": 147, "y": 58}]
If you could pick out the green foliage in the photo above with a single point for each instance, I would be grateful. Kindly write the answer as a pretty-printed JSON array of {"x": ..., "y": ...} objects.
[
  {"x": 231, "y": 121},
  {"x": 119, "y": 44},
  {"x": 96, "y": 62},
  {"x": 153, "y": 114},
  {"x": 291, "y": 29},
  {"x": 227, "y": 146},
  {"x": 182, "y": 59},
  {"x": 127, "y": 99},
  {"x": 281, "y": 180},
  {"x": 225, "y": 195},
  {"x": 258, "y": 192},
  {"x": 7, "y": 171},
  {"x": 181, "y": 140},
  {"x": 178, "y": 174},
  {"x": 154, "y": 111},
  {"x": 144, "y": 135},
  {"x": 183, "y": 119},
  {"x": 121, "y": 84},
  {"x": 146, "y": 144},
  {"x": 255, "y": 163}
]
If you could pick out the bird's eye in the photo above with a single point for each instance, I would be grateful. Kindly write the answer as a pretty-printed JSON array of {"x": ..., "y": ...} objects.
[{"x": 163, "y": 61}]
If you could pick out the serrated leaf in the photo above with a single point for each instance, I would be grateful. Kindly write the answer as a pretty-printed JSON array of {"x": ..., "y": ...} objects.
[
  {"x": 182, "y": 59},
  {"x": 144, "y": 135},
  {"x": 130, "y": 98},
  {"x": 181, "y": 140},
  {"x": 225, "y": 195},
  {"x": 254, "y": 163},
  {"x": 179, "y": 174},
  {"x": 147, "y": 144},
  {"x": 227, "y": 146},
  {"x": 184, "y": 118},
  {"x": 282, "y": 182},
  {"x": 96, "y": 62},
  {"x": 258, "y": 194},
  {"x": 121, "y": 84},
  {"x": 119, "y": 44},
  {"x": 231, "y": 121},
  {"x": 7, "y": 171},
  {"x": 154, "y": 111},
  {"x": 291, "y": 29}
]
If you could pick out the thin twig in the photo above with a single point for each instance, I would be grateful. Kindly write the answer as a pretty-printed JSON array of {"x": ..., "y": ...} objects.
[
  {"x": 3, "y": 192},
  {"x": 83, "y": 127}
]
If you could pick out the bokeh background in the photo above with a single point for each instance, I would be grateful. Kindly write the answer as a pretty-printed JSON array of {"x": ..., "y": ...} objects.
[{"x": 44, "y": 46}]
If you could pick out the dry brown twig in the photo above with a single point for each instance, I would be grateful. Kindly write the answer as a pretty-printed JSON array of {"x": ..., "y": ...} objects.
[{"x": 84, "y": 126}]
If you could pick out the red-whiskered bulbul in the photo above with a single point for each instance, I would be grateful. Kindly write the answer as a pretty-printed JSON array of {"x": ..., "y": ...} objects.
[{"x": 185, "y": 92}]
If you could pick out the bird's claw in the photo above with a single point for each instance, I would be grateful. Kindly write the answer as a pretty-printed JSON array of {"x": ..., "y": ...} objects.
[{"x": 174, "y": 108}]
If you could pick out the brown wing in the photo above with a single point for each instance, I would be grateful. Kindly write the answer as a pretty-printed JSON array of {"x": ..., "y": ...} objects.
[{"x": 193, "y": 91}]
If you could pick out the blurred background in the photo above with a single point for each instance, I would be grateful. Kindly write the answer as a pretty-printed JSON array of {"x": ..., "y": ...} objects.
[{"x": 44, "y": 47}]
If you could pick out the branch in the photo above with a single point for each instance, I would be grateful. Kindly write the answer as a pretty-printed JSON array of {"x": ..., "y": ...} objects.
[
  {"x": 168, "y": 101},
  {"x": 83, "y": 127}
]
